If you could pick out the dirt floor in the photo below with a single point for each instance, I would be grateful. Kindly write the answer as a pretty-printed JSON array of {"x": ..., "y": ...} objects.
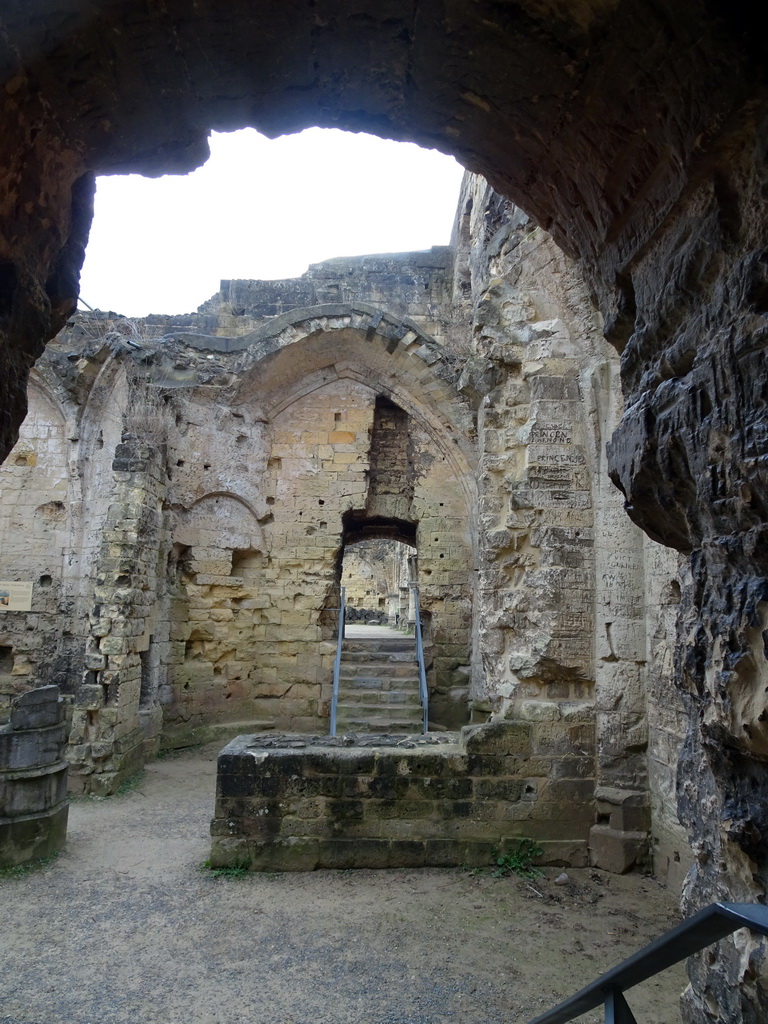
[{"x": 128, "y": 927}]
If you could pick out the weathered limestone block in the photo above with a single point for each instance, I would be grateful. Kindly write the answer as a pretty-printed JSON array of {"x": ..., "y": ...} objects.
[
  {"x": 617, "y": 850},
  {"x": 33, "y": 778},
  {"x": 290, "y": 802},
  {"x": 621, "y": 838}
]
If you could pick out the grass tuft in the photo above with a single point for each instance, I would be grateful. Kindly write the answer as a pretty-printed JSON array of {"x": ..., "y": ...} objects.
[
  {"x": 131, "y": 784},
  {"x": 237, "y": 870},
  {"x": 22, "y": 870}
]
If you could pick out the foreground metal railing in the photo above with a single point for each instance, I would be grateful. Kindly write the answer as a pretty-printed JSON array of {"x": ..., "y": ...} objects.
[
  {"x": 423, "y": 693},
  {"x": 713, "y": 923},
  {"x": 337, "y": 662}
]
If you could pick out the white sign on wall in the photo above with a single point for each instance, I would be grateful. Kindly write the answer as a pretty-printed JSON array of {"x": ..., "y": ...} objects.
[{"x": 15, "y": 596}]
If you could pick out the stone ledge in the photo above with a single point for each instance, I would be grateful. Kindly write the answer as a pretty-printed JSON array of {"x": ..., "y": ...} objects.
[
  {"x": 616, "y": 850},
  {"x": 309, "y": 854}
]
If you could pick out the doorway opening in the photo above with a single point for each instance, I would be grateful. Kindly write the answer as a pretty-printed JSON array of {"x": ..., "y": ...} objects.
[{"x": 377, "y": 576}]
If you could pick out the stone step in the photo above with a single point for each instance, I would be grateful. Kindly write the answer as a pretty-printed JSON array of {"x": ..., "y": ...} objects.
[
  {"x": 377, "y": 669},
  {"x": 378, "y": 657},
  {"x": 389, "y": 723},
  {"x": 376, "y": 646},
  {"x": 379, "y": 686},
  {"x": 392, "y": 698},
  {"x": 373, "y": 683}
]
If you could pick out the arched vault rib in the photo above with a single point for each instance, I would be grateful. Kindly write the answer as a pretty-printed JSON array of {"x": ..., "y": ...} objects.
[{"x": 307, "y": 349}]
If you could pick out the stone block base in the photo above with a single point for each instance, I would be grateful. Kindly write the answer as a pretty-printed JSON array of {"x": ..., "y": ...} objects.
[
  {"x": 302, "y": 854},
  {"x": 618, "y": 851},
  {"x": 30, "y": 838},
  {"x": 298, "y": 802}
]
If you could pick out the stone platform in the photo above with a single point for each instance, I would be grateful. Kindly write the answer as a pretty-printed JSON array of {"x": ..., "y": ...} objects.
[{"x": 298, "y": 802}]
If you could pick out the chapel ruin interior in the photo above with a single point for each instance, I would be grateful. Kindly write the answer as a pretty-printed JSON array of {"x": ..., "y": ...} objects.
[{"x": 560, "y": 414}]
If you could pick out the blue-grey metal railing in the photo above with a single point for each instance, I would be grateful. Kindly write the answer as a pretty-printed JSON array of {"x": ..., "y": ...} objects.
[
  {"x": 713, "y": 923},
  {"x": 423, "y": 693},
  {"x": 337, "y": 662}
]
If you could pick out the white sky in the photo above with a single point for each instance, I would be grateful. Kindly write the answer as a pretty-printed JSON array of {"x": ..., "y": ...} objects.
[{"x": 262, "y": 208}]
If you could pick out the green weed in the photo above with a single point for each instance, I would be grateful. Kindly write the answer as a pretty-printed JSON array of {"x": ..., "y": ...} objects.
[
  {"x": 518, "y": 860},
  {"x": 237, "y": 870}
]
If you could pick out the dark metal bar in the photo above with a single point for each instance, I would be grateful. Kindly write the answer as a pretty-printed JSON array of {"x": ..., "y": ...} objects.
[
  {"x": 420, "y": 655},
  {"x": 708, "y": 926},
  {"x": 616, "y": 1009},
  {"x": 337, "y": 662}
]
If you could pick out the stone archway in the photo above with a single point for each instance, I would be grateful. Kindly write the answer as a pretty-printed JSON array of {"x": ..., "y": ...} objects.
[
  {"x": 368, "y": 432},
  {"x": 640, "y": 145}
]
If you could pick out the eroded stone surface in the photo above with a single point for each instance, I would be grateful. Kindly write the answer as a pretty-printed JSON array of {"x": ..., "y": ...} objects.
[{"x": 292, "y": 803}]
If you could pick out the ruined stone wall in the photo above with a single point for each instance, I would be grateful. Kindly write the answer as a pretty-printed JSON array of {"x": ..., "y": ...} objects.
[
  {"x": 35, "y": 540},
  {"x": 413, "y": 284},
  {"x": 374, "y": 571},
  {"x": 126, "y": 616},
  {"x": 666, "y": 577},
  {"x": 219, "y": 607},
  {"x": 363, "y": 580},
  {"x": 261, "y": 466},
  {"x": 533, "y": 321},
  {"x": 255, "y": 603},
  {"x": 573, "y": 605}
]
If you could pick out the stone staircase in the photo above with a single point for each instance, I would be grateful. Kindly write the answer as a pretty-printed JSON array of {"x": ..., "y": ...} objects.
[{"x": 379, "y": 684}]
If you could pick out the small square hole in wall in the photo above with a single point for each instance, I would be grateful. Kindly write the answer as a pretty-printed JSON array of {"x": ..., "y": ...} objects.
[
  {"x": 6, "y": 661},
  {"x": 337, "y": 417}
]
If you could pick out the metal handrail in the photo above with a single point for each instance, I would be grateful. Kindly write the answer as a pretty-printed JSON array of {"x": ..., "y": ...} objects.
[
  {"x": 423, "y": 693},
  {"x": 713, "y": 923},
  {"x": 337, "y": 662}
]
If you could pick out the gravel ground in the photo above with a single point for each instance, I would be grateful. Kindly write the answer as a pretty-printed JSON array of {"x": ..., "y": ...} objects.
[{"x": 127, "y": 927}]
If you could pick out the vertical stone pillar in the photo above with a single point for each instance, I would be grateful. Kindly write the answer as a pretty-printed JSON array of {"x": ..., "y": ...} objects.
[
  {"x": 411, "y": 609},
  {"x": 33, "y": 778},
  {"x": 620, "y": 837},
  {"x": 404, "y": 598},
  {"x": 108, "y": 726}
]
